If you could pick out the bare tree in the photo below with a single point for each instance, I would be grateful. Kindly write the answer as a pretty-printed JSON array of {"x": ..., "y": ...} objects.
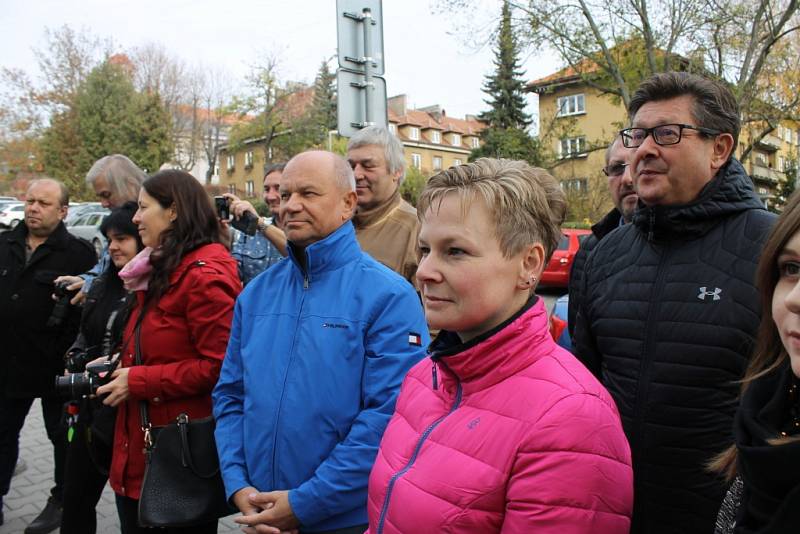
[{"x": 215, "y": 116}]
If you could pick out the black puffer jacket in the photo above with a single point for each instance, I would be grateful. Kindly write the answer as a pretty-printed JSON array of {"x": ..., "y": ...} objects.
[
  {"x": 667, "y": 322},
  {"x": 602, "y": 228}
]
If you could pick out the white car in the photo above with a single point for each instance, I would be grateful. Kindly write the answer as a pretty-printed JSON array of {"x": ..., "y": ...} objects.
[
  {"x": 11, "y": 215},
  {"x": 87, "y": 226}
]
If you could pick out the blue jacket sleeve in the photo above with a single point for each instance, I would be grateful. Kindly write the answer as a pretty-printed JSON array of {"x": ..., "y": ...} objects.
[
  {"x": 228, "y": 399},
  {"x": 339, "y": 484},
  {"x": 94, "y": 272}
]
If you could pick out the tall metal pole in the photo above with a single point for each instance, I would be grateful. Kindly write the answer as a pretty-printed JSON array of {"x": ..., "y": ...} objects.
[{"x": 369, "y": 85}]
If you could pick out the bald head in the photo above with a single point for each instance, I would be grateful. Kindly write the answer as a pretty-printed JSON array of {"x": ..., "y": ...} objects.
[
  {"x": 317, "y": 196},
  {"x": 46, "y": 204}
]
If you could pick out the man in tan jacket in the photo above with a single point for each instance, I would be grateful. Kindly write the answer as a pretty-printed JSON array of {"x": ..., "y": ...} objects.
[{"x": 386, "y": 225}]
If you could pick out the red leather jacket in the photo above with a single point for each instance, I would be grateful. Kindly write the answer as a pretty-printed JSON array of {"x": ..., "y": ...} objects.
[{"x": 183, "y": 341}]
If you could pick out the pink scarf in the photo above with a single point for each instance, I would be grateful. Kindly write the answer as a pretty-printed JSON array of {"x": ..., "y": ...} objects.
[{"x": 136, "y": 273}]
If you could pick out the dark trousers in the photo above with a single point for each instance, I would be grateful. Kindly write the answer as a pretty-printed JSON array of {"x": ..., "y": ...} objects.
[
  {"x": 83, "y": 486},
  {"x": 128, "y": 510},
  {"x": 12, "y": 417}
]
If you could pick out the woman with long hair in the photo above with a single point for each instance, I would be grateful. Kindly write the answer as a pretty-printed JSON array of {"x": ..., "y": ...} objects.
[
  {"x": 91, "y": 423},
  {"x": 500, "y": 429},
  {"x": 761, "y": 463},
  {"x": 185, "y": 284}
]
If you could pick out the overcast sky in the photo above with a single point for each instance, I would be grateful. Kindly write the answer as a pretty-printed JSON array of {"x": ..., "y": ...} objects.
[{"x": 424, "y": 55}]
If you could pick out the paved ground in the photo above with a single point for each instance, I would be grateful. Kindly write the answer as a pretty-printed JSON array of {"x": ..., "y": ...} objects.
[{"x": 30, "y": 488}]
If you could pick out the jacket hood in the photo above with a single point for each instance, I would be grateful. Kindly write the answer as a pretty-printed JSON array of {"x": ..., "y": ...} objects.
[
  {"x": 337, "y": 249},
  {"x": 494, "y": 356},
  {"x": 728, "y": 193}
]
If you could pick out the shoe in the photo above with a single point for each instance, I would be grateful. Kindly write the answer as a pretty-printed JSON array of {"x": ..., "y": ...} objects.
[{"x": 48, "y": 520}]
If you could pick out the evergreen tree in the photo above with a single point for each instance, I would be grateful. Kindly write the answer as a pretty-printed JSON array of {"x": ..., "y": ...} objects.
[
  {"x": 506, "y": 88},
  {"x": 324, "y": 103}
]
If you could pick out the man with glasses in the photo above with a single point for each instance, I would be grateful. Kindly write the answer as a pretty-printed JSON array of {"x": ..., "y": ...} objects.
[
  {"x": 620, "y": 186},
  {"x": 669, "y": 312}
]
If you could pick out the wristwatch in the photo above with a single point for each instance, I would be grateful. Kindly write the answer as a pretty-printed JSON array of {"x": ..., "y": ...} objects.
[{"x": 263, "y": 222}]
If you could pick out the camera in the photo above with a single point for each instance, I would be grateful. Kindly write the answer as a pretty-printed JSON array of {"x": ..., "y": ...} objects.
[
  {"x": 79, "y": 385},
  {"x": 223, "y": 210},
  {"x": 76, "y": 359},
  {"x": 61, "y": 307}
]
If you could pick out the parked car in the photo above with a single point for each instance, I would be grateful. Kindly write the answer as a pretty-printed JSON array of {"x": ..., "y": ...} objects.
[
  {"x": 11, "y": 215},
  {"x": 560, "y": 308},
  {"x": 556, "y": 273},
  {"x": 76, "y": 210},
  {"x": 9, "y": 199},
  {"x": 87, "y": 226}
]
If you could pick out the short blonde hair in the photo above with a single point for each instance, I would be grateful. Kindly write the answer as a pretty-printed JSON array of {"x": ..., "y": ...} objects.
[{"x": 526, "y": 203}]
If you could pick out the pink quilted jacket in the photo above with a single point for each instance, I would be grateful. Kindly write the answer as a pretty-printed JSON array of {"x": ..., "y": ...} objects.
[{"x": 508, "y": 433}]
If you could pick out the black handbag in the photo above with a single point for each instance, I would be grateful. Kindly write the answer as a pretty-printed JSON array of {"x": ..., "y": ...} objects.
[{"x": 182, "y": 483}]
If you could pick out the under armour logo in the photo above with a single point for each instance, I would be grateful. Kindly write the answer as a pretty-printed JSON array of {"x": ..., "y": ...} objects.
[{"x": 703, "y": 293}]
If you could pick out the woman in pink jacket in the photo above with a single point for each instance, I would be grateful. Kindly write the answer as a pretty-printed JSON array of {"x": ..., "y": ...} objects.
[{"x": 500, "y": 430}]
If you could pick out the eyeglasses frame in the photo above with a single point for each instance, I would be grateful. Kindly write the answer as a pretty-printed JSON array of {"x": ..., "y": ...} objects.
[{"x": 624, "y": 134}]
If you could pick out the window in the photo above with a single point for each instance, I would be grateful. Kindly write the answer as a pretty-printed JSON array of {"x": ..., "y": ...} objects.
[
  {"x": 413, "y": 133},
  {"x": 248, "y": 159},
  {"x": 574, "y": 185},
  {"x": 761, "y": 159},
  {"x": 456, "y": 162},
  {"x": 436, "y": 136},
  {"x": 393, "y": 128},
  {"x": 781, "y": 163},
  {"x": 249, "y": 188},
  {"x": 216, "y": 168},
  {"x": 570, "y": 105},
  {"x": 456, "y": 140},
  {"x": 437, "y": 163},
  {"x": 476, "y": 143},
  {"x": 416, "y": 160},
  {"x": 232, "y": 189},
  {"x": 572, "y": 147},
  {"x": 231, "y": 162},
  {"x": 762, "y": 191},
  {"x": 787, "y": 135}
]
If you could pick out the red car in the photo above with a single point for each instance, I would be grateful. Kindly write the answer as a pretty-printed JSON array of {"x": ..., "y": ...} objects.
[{"x": 556, "y": 273}]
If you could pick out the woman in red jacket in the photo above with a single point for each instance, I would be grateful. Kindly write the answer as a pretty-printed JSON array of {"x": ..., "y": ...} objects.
[
  {"x": 186, "y": 282},
  {"x": 500, "y": 430}
]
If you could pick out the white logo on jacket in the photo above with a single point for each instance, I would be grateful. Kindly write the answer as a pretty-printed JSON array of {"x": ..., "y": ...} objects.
[{"x": 703, "y": 293}]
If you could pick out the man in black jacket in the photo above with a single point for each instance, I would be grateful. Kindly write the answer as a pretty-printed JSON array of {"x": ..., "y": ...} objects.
[
  {"x": 620, "y": 186},
  {"x": 34, "y": 337},
  {"x": 669, "y": 311}
]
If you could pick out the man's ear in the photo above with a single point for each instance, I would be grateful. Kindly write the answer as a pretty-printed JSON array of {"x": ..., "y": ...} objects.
[
  {"x": 723, "y": 146},
  {"x": 350, "y": 205}
]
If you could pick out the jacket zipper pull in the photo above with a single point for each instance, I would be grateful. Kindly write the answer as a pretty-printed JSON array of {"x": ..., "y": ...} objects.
[
  {"x": 652, "y": 225},
  {"x": 305, "y": 282},
  {"x": 435, "y": 376}
]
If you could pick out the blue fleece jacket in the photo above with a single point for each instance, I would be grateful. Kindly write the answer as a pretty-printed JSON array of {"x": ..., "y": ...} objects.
[{"x": 311, "y": 375}]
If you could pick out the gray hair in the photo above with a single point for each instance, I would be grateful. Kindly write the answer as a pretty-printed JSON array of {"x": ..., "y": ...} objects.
[
  {"x": 123, "y": 176},
  {"x": 611, "y": 146},
  {"x": 392, "y": 147},
  {"x": 273, "y": 167}
]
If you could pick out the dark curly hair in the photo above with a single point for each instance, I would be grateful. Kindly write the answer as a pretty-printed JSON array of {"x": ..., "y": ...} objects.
[{"x": 196, "y": 224}]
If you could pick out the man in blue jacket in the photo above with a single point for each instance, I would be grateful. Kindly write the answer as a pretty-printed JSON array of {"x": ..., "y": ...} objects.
[{"x": 318, "y": 349}]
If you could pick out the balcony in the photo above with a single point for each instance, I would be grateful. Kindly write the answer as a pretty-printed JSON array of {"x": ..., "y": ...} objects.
[
  {"x": 765, "y": 174},
  {"x": 770, "y": 143}
]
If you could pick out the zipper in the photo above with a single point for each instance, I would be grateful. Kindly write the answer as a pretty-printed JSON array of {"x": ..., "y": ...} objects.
[
  {"x": 410, "y": 464},
  {"x": 646, "y": 367},
  {"x": 652, "y": 225},
  {"x": 306, "y": 279}
]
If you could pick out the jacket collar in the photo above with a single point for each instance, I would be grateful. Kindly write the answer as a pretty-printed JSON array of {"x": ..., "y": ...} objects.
[
  {"x": 494, "y": 356},
  {"x": 607, "y": 224},
  {"x": 728, "y": 193},
  {"x": 58, "y": 240},
  {"x": 366, "y": 218},
  {"x": 334, "y": 251}
]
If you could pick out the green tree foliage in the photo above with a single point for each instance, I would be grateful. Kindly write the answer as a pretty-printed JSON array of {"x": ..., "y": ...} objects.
[
  {"x": 108, "y": 117},
  {"x": 506, "y": 88},
  {"x": 324, "y": 103},
  {"x": 786, "y": 187},
  {"x": 505, "y": 135},
  {"x": 412, "y": 185},
  {"x": 508, "y": 143}
]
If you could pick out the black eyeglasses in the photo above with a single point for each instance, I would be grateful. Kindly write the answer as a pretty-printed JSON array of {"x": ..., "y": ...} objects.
[
  {"x": 663, "y": 134},
  {"x": 615, "y": 170}
]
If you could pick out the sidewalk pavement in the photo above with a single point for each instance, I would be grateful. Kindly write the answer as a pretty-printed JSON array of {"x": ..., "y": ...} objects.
[{"x": 31, "y": 488}]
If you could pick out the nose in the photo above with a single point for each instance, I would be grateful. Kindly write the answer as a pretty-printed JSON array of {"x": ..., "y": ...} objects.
[
  {"x": 137, "y": 218},
  {"x": 793, "y": 298},
  {"x": 427, "y": 271},
  {"x": 105, "y": 203}
]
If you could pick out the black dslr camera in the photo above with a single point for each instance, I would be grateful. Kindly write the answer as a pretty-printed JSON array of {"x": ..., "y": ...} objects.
[
  {"x": 78, "y": 385},
  {"x": 247, "y": 223},
  {"x": 61, "y": 307}
]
